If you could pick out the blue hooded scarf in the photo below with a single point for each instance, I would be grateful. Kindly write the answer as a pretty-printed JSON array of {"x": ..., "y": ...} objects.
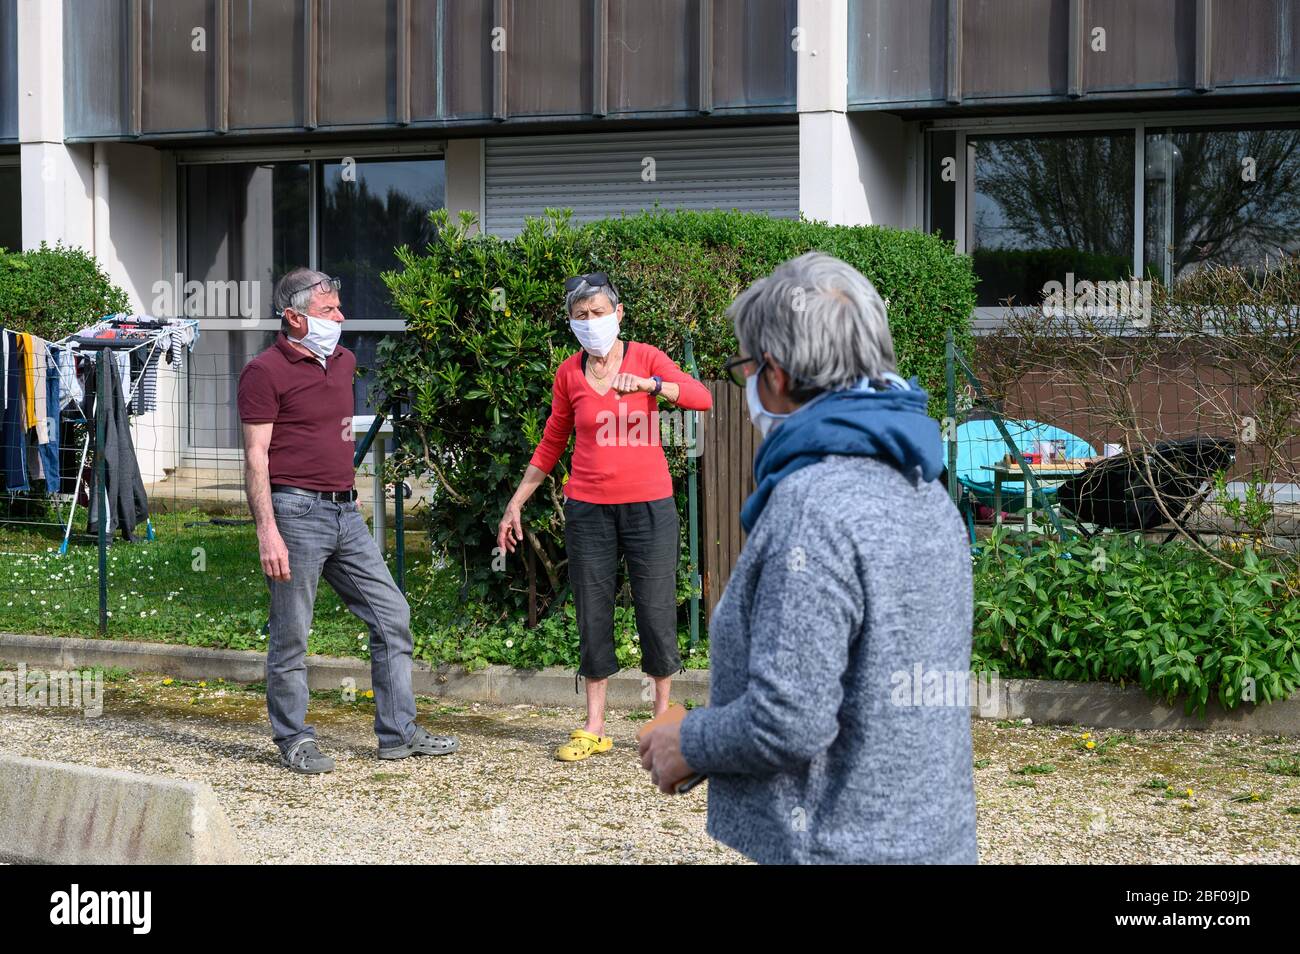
[{"x": 891, "y": 425}]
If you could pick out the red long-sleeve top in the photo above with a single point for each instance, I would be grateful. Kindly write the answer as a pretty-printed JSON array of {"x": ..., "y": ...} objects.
[{"x": 618, "y": 455}]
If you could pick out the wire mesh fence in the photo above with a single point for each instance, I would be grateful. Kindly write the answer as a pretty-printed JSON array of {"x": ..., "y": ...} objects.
[
  {"x": 144, "y": 429},
  {"x": 1185, "y": 427}
]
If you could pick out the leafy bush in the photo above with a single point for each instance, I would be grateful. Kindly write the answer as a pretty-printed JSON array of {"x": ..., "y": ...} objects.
[
  {"x": 929, "y": 289},
  {"x": 486, "y": 331},
  {"x": 1114, "y": 608},
  {"x": 53, "y": 292}
]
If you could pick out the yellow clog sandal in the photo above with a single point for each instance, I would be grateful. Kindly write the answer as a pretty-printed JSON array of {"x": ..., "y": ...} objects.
[{"x": 583, "y": 744}]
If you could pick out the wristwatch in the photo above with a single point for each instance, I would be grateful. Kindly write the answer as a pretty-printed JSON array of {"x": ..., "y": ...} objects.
[{"x": 659, "y": 385}]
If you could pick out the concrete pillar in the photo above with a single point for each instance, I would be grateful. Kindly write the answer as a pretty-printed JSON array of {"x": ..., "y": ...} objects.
[
  {"x": 852, "y": 166},
  {"x": 57, "y": 190}
]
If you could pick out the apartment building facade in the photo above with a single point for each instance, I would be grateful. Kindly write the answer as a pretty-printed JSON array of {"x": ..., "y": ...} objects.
[{"x": 199, "y": 144}]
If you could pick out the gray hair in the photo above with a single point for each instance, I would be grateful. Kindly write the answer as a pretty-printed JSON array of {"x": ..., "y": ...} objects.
[
  {"x": 822, "y": 321},
  {"x": 585, "y": 291},
  {"x": 295, "y": 289}
]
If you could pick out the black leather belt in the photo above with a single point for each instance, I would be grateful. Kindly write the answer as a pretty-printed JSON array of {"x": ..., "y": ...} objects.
[{"x": 335, "y": 495}]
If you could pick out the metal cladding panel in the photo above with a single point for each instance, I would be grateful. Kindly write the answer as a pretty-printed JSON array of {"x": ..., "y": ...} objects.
[
  {"x": 96, "y": 55},
  {"x": 977, "y": 53},
  {"x": 754, "y": 169},
  {"x": 8, "y": 70}
]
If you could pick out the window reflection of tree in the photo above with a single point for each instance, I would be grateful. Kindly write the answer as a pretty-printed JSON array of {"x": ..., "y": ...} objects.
[
  {"x": 359, "y": 231},
  {"x": 1221, "y": 217},
  {"x": 1061, "y": 192},
  {"x": 1054, "y": 206}
]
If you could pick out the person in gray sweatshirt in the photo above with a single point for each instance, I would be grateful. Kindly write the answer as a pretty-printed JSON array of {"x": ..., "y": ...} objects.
[{"x": 825, "y": 740}]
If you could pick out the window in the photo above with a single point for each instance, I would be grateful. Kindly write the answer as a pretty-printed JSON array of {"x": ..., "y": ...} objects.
[
  {"x": 1047, "y": 206},
  {"x": 250, "y": 223},
  {"x": 1225, "y": 196},
  {"x": 1154, "y": 199},
  {"x": 367, "y": 210},
  {"x": 11, "y": 209}
]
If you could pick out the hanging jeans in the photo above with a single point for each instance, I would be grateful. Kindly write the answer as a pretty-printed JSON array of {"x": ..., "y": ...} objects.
[{"x": 49, "y": 451}]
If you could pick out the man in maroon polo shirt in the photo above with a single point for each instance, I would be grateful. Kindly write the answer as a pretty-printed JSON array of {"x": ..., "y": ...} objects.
[{"x": 295, "y": 405}]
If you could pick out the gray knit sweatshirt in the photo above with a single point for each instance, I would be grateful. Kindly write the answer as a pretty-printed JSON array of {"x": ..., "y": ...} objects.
[{"x": 854, "y": 582}]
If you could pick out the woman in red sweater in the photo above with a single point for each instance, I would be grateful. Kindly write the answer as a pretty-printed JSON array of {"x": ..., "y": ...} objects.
[{"x": 618, "y": 498}]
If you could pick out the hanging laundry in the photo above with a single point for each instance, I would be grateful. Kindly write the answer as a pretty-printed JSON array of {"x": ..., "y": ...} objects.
[
  {"x": 69, "y": 385},
  {"x": 13, "y": 429},
  {"x": 38, "y": 370},
  {"x": 128, "y": 505},
  {"x": 183, "y": 340},
  {"x": 49, "y": 449},
  {"x": 123, "y": 361},
  {"x": 144, "y": 372},
  {"x": 29, "y": 379}
]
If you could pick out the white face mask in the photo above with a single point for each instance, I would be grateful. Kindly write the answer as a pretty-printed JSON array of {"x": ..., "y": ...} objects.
[
  {"x": 760, "y": 416},
  {"x": 598, "y": 333},
  {"x": 322, "y": 336}
]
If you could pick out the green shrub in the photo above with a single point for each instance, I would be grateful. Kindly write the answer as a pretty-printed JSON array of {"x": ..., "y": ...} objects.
[
  {"x": 929, "y": 289},
  {"x": 53, "y": 292},
  {"x": 477, "y": 379},
  {"x": 1113, "y": 608}
]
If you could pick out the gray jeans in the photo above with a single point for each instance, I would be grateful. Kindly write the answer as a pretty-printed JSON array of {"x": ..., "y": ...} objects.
[{"x": 331, "y": 539}]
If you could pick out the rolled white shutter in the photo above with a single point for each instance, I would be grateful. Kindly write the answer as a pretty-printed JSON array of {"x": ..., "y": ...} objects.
[{"x": 751, "y": 168}]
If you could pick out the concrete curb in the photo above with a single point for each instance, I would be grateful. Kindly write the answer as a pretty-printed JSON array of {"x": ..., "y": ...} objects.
[
  {"x": 548, "y": 687},
  {"x": 1072, "y": 703},
  {"x": 54, "y": 813},
  {"x": 1129, "y": 707}
]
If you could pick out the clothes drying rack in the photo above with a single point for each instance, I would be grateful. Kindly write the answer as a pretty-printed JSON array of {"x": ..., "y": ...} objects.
[{"x": 86, "y": 341}]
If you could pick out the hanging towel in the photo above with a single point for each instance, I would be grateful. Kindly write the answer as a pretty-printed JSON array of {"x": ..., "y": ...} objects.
[
  {"x": 29, "y": 379},
  {"x": 39, "y": 389}
]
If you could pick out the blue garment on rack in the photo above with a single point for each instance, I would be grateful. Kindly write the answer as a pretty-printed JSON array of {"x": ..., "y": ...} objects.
[
  {"x": 49, "y": 451},
  {"x": 13, "y": 426}
]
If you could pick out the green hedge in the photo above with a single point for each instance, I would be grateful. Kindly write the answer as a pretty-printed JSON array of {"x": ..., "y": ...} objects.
[
  {"x": 478, "y": 379},
  {"x": 53, "y": 292}
]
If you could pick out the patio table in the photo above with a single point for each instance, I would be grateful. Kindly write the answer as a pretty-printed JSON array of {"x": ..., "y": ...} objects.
[{"x": 1055, "y": 473}]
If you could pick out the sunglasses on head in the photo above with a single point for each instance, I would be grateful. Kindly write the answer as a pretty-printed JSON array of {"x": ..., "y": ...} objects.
[
  {"x": 325, "y": 285},
  {"x": 594, "y": 279}
]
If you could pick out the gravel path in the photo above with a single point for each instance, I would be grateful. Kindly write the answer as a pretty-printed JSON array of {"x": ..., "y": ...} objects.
[{"x": 1043, "y": 795}]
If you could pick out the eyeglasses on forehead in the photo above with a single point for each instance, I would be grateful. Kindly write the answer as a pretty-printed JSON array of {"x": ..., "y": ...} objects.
[
  {"x": 594, "y": 279},
  {"x": 325, "y": 285}
]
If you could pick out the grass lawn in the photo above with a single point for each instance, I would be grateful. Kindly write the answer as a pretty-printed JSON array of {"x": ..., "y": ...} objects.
[
  {"x": 197, "y": 585},
  {"x": 200, "y": 584}
]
